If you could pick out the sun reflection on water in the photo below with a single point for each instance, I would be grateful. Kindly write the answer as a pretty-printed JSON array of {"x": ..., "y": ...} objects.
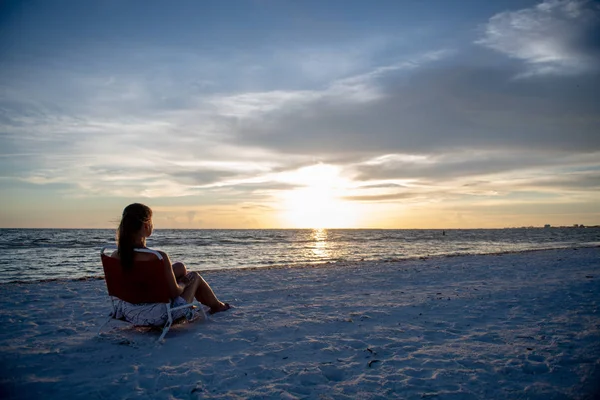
[{"x": 319, "y": 236}]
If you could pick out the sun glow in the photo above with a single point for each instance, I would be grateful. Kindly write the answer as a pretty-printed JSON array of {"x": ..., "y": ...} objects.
[
  {"x": 318, "y": 204},
  {"x": 320, "y": 250}
]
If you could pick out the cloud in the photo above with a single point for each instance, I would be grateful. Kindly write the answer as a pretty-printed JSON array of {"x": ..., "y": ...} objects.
[
  {"x": 391, "y": 197},
  {"x": 254, "y": 105},
  {"x": 434, "y": 108},
  {"x": 350, "y": 90},
  {"x": 402, "y": 131},
  {"x": 468, "y": 174},
  {"x": 467, "y": 164},
  {"x": 588, "y": 181},
  {"x": 554, "y": 37}
]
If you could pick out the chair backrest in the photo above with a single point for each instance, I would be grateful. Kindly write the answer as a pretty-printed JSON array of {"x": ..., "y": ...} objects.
[{"x": 143, "y": 283}]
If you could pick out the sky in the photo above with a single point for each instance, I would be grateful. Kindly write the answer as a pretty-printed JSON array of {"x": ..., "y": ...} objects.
[{"x": 300, "y": 114}]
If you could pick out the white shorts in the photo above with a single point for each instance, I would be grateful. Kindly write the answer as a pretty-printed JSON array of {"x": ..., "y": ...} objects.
[{"x": 151, "y": 314}]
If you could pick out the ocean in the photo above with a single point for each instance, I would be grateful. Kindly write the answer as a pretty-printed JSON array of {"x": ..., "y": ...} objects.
[{"x": 29, "y": 255}]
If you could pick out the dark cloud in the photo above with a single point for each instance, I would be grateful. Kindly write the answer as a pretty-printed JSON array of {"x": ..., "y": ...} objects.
[
  {"x": 574, "y": 181},
  {"x": 267, "y": 186},
  {"x": 383, "y": 186},
  {"x": 439, "y": 109},
  {"x": 185, "y": 177},
  {"x": 197, "y": 176},
  {"x": 392, "y": 197},
  {"x": 460, "y": 165}
]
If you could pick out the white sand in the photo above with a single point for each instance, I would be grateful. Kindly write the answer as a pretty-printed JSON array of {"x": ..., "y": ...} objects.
[{"x": 511, "y": 326}]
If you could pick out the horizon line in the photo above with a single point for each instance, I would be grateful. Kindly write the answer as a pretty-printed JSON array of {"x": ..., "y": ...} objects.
[{"x": 574, "y": 226}]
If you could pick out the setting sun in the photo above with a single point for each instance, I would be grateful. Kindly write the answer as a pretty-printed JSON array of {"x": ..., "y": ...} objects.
[{"x": 319, "y": 203}]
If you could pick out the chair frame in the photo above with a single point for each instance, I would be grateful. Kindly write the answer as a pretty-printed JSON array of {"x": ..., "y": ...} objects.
[{"x": 170, "y": 310}]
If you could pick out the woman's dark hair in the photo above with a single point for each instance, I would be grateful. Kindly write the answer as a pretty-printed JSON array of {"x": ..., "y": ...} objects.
[{"x": 134, "y": 217}]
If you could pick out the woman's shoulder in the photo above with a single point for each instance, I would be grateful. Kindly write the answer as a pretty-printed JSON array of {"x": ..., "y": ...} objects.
[
  {"x": 154, "y": 251},
  {"x": 163, "y": 254},
  {"x": 143, "y": 256},
  {"x": 149, "y": 255}
]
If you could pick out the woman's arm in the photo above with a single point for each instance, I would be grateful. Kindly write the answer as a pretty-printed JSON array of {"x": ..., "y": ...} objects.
[{"x": 175, "y": 289}]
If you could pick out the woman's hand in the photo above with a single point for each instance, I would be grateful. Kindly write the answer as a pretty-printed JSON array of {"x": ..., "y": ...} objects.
[{"x": 187, "y": 280}]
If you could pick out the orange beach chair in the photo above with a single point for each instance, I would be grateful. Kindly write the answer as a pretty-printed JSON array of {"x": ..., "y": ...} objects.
[{"x": 144, "y": 283}]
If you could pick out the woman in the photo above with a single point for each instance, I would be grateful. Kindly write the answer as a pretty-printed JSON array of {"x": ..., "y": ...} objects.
[{"x": 135, "y": 227}]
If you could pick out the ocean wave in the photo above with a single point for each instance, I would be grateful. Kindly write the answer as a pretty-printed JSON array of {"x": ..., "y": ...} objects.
[
  {"x": 41, "y": 254},
  {"x": 95, "y": 273}
]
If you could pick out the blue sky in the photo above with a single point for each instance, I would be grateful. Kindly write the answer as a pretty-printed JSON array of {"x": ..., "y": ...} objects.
[{"x": 266, "y": 114}]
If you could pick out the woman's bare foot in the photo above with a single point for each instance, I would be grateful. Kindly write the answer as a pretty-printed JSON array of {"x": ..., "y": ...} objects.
[{"x": 222, "y": 307}]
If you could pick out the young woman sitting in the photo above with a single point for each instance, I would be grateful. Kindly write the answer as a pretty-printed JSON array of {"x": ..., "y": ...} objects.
[{"x": 135, "y": 227}]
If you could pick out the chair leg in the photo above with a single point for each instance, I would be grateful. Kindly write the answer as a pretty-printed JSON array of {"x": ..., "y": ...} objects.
[
  {"x": 168, "y": 324},
  {"x": 165, "y": 330},
  {"x": 204, "y": 314},
  {"x": 111, "y": 315},
  {"x": 104, "y": 324}
]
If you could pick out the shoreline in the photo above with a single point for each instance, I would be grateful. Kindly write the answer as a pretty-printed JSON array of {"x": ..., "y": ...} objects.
[{"x": 519, "y": 325}]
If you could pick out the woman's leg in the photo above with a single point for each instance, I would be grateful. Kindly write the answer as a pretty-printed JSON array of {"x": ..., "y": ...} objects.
[
  {"x": 179, "y": 270},
  {"x": 202, "y": 291}
]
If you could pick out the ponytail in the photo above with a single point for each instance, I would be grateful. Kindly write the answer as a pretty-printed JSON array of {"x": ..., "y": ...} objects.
[{"x": 134, "y": 217}]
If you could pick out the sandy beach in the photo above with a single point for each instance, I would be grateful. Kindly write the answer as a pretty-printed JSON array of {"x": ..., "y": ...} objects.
[{"x": 508, "y": 326}]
